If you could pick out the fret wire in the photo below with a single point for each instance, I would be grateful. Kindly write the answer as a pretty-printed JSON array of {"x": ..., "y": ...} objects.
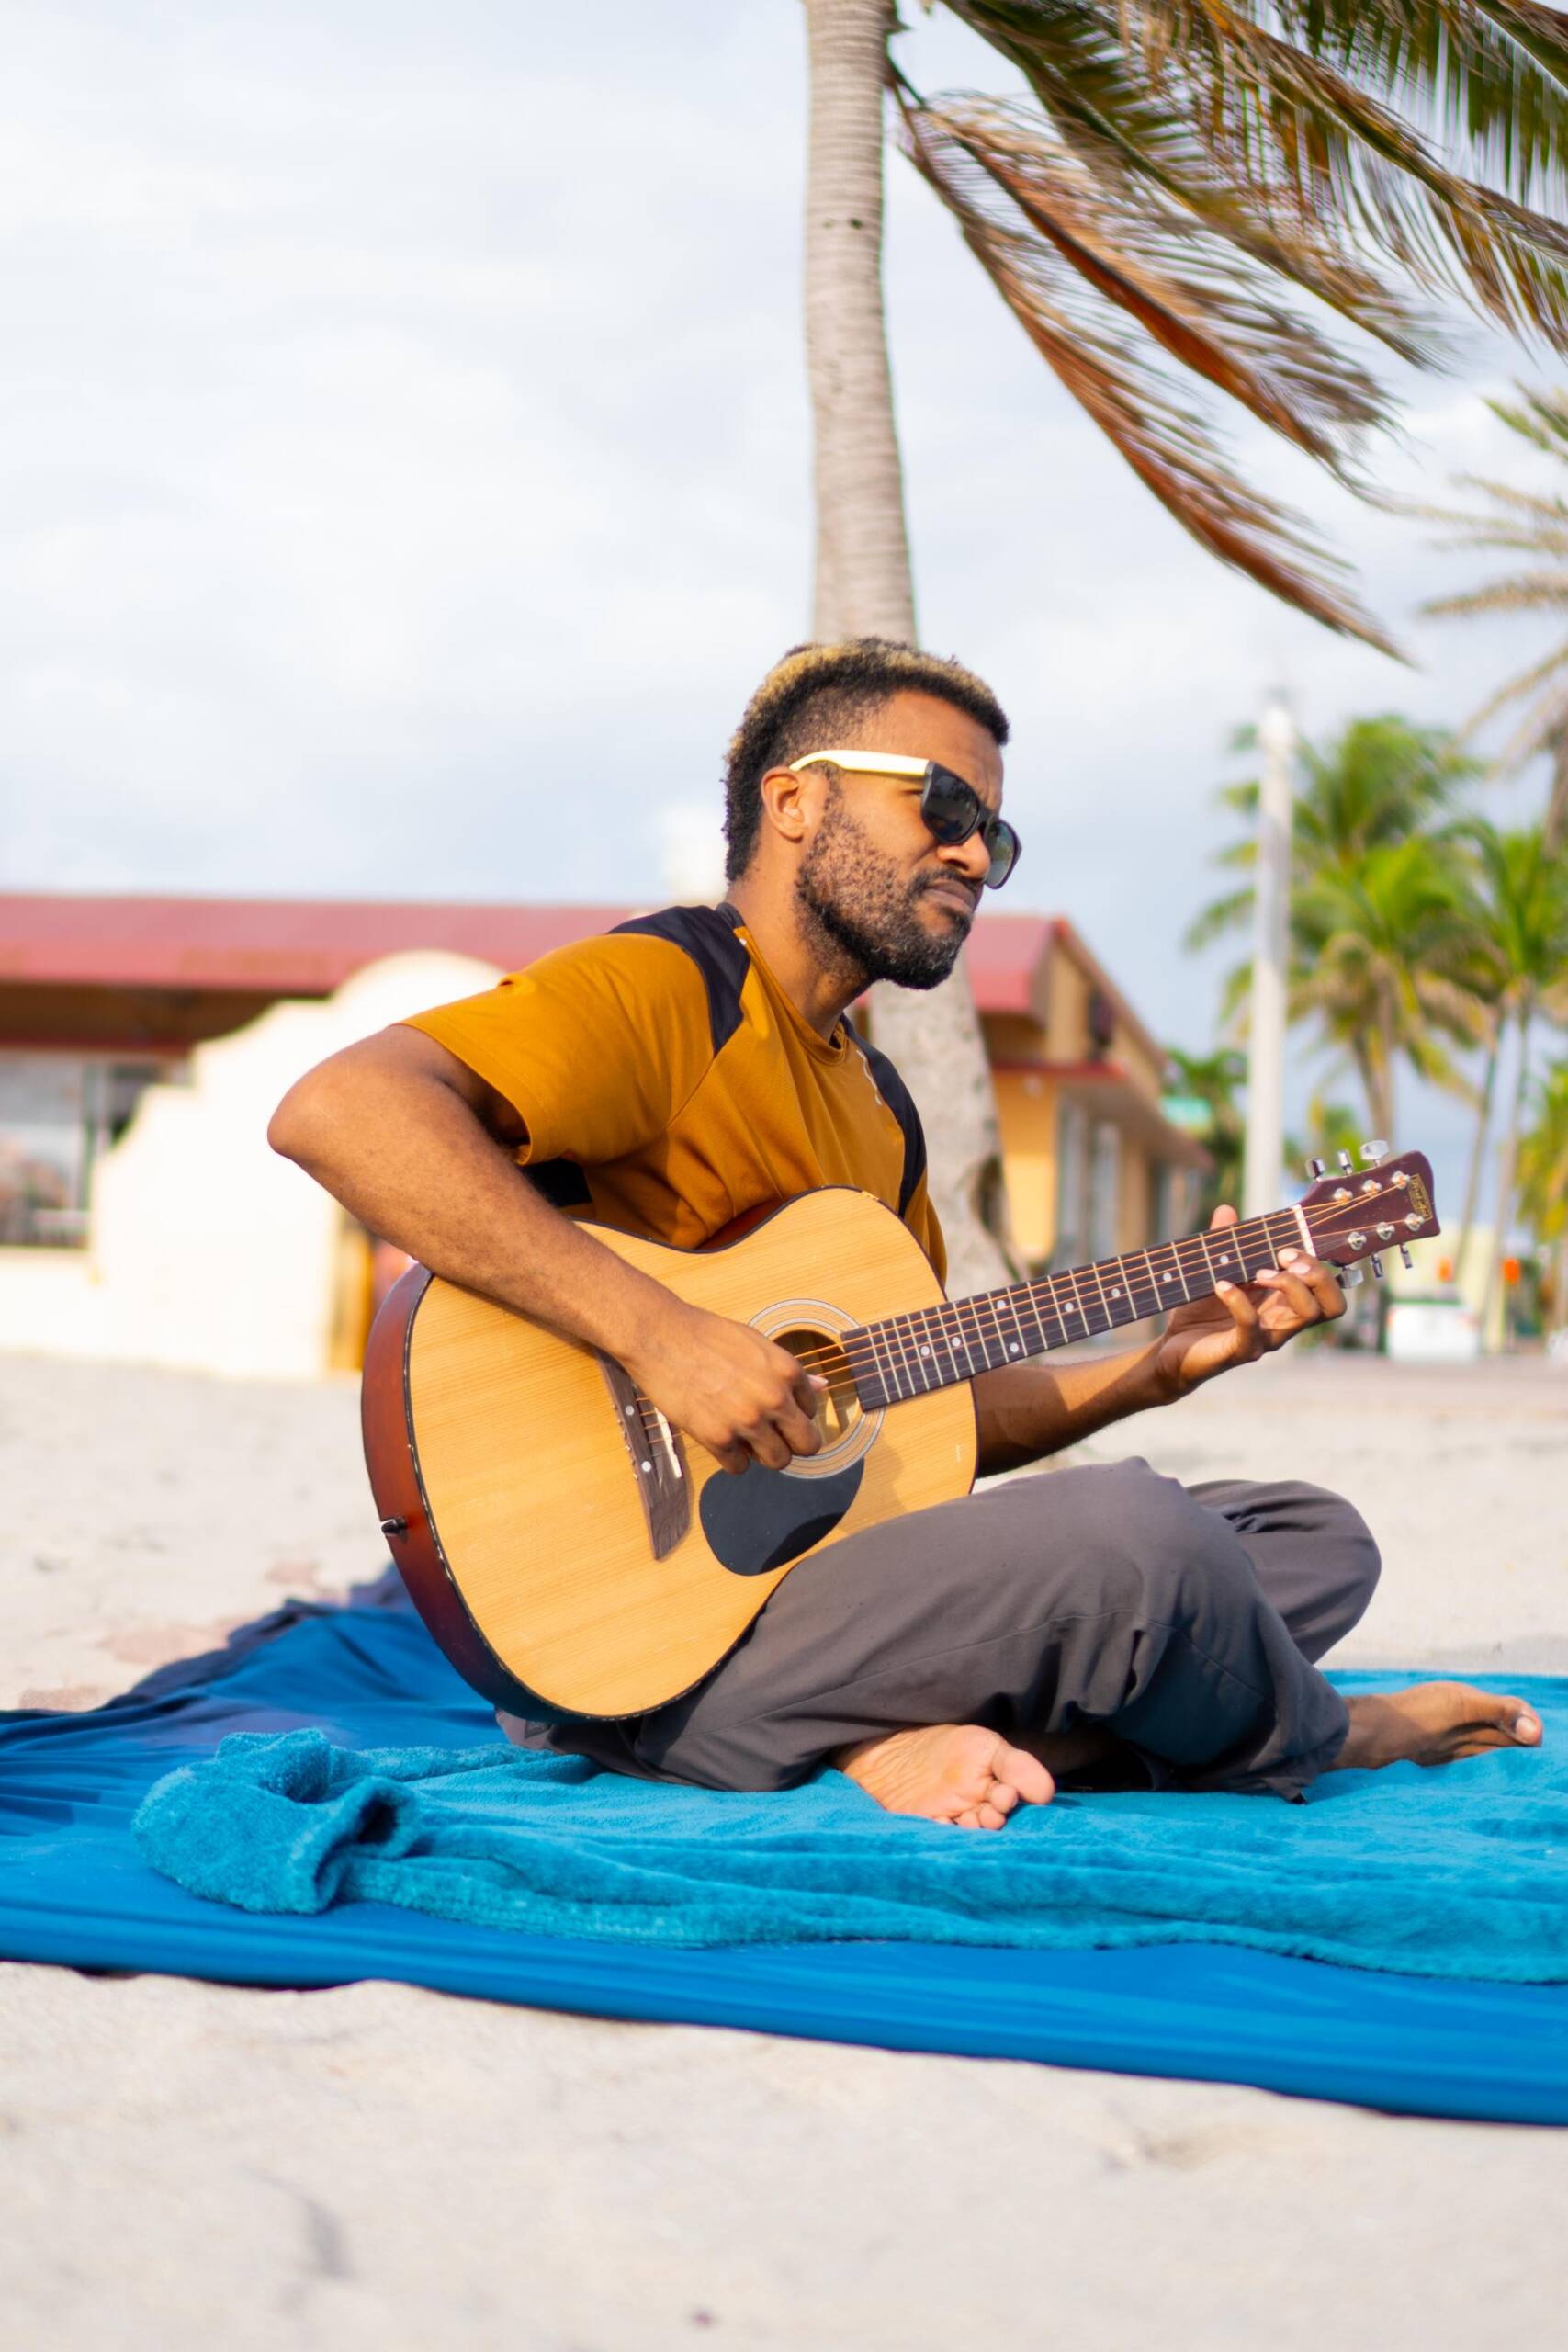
[
  {"x": 926, "y": 1326},
  {"x": 883, "y": 1369},
  {"x": 893, "y": 1344},
  {"x": 966, "y": 1308},
  {"x": 987, "y": 1300},
  {"x": 906, "y": 1370},
  {"x": 919, "y": 1331},
  {"x": 1047, "y": 1285},
  {"x": 1056, "y": 1283}
]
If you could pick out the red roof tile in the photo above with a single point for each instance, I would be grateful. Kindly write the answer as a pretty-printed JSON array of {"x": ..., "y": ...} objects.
[{"x": 308, "y": 946}]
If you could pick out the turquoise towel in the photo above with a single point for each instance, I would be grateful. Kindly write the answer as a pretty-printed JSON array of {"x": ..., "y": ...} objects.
[{"x": 1461, "y": 1872}]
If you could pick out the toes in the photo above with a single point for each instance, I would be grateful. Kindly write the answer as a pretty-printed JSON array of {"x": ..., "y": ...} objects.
[
  {"x": 1025, "y": 1774},
  {"x": 989, "y": 1817},
  {"x": 1527, "y": 1728},
  {"x": 1001, "y": 1798}
]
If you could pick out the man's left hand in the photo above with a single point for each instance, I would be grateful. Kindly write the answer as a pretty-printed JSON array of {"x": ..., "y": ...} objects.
[{"x": 1244, "y": 1321}]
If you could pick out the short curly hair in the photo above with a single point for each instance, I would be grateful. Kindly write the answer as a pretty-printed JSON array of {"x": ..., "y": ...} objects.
[{"x": 818, "y": 694}]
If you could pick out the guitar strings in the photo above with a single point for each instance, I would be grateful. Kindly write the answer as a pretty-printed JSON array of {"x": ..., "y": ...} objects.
[{"x": 946, "y": 1321}]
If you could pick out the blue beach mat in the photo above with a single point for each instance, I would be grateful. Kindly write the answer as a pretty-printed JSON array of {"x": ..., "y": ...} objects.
[{"x": 370, "y": 1811}]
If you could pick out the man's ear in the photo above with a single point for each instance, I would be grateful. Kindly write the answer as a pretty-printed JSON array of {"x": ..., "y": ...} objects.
[{"x": 786, "y": 800}]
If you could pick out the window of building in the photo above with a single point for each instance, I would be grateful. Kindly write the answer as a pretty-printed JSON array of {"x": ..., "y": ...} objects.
[{"x": 59, "y": 1113}]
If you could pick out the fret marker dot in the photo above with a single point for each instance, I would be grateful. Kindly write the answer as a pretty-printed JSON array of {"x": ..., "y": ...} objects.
[
  {"x": 1015, "y": 1348},
  {"x": 924, "y": 1350},
  {"x": 1115, "y": 1294}
]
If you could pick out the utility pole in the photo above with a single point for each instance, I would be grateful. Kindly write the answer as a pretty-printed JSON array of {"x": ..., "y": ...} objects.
[{"x": 1266, "y": 1042}]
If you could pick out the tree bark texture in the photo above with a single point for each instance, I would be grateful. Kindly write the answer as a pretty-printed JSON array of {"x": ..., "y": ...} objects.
[{"x": 865, "y": 586}]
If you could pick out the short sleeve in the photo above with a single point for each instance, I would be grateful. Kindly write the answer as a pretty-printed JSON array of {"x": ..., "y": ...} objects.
[{"x": 596, "y": 1046}]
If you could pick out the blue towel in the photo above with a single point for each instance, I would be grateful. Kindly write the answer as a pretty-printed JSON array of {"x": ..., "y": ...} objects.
[{"x": 1452, "y": 1873}]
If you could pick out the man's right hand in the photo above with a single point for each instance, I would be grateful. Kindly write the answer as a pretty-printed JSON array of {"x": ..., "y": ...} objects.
[{"x": 730, "y": 1389}]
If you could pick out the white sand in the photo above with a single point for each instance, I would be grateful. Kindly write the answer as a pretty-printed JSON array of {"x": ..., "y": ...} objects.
[{"x": 182, "y": 2164}]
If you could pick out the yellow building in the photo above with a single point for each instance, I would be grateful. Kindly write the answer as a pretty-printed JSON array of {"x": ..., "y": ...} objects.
[{"x": 1092, "y": 1164}]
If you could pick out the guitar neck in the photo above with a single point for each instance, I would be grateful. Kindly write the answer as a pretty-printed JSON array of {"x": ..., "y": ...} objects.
[{"x": 906, "y": 1355}]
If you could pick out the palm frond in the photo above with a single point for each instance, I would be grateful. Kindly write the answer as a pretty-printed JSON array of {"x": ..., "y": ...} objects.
[
  {"x": 1090, "y": 67},
  {"x": 1078, "y": 276},
  {"x": 1297, "y": 127},
  {"x": 1537, "y": 726},
  {"x": 1528, "y": 591}
]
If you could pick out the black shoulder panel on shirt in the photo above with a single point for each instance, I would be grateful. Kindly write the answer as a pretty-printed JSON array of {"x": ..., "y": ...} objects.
[
  {"x": 901, "y": 1102},
  {"x": 707, "y": 935}
]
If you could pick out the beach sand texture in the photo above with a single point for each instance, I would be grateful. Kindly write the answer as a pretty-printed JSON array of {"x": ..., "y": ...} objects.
[{"x": 183, "y": 2165}]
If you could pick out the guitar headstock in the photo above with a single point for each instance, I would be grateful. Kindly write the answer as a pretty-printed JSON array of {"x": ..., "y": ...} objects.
[{"x": 1361, "y": 1211}]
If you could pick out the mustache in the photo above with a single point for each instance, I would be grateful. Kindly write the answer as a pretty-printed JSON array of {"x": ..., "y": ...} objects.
[{"x": 950, "y": 882}]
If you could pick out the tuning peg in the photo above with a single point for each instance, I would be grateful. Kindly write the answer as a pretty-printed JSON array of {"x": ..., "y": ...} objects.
[
  {"x": 1315, "y": 1170},
  {"x": 1372, "y": 1152},
  {"x": 1404, "y": 1253},
  {"x": 1347, "y": 1163},
  {"x": 1351, "y": 1277},
  {"x": 1375, "y": 1262}
]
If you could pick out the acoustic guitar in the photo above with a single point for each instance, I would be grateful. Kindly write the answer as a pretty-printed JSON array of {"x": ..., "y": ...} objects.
[{"x": 573, "y": 1553}]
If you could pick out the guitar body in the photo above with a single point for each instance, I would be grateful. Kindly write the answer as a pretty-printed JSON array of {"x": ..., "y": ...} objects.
[{"x": 570, "y": 1553}]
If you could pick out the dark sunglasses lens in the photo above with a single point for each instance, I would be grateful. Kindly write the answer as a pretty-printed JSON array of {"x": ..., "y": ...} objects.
[
  {"x": 1003, "y": 844},
  {"x": 951, "y": 808}
]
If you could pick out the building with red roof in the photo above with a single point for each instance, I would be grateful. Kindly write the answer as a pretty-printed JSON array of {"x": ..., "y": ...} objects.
[{"x": 103, "y": 996}]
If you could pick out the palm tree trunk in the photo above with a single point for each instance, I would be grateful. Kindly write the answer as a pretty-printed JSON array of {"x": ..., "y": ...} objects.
[
  {"x": 864, "y": 584},
  {"x": 1507, "y": 1164},
  {"x": 1555, "y": 828},
  {"x": 1478, "y": 1153}
]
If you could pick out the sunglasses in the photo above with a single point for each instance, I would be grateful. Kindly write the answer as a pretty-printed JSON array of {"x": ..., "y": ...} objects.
[{"x": 951, "y": 808}]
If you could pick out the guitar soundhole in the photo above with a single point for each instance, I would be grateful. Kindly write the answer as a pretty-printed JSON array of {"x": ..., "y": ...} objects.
[
  {"x": 837, "y": 1410},
  {"x": 763, "y": 1518}
]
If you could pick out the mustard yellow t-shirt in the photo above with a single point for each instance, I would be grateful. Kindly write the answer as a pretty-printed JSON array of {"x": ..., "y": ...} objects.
[{"x": 668, "y": 1084}]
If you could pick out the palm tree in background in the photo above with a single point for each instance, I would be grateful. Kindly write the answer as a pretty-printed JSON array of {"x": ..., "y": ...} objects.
[
  {"x": 1382, "y": 956},
  {"x": 1152, "y": 212},
  {"x": 1534, "y": 525},
  {"x": 1215, "y": 1080},
  {"x": 1518, "y": 893}
]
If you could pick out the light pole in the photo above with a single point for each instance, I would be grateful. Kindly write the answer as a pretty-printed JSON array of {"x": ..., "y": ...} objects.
[{"x": 1266, "y": 1042}]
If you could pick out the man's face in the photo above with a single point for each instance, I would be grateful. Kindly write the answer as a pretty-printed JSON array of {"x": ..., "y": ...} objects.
[{"x": 895, "y": 902}]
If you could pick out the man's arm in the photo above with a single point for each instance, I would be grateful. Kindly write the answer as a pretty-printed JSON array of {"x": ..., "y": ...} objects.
[
  {"x": 412, "y": 1143},
  {"x": 1029, "y": 1411}
]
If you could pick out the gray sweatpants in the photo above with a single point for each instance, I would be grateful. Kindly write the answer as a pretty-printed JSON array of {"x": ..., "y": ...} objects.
[{"x": 1186, "y": 1621}]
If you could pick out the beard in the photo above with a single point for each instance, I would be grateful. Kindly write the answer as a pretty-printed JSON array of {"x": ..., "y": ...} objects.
[{"x": 863, "y": 917}]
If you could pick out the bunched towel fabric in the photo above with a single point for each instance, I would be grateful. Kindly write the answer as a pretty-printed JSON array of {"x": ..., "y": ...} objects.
[{"x": 1457, "y": 1872}]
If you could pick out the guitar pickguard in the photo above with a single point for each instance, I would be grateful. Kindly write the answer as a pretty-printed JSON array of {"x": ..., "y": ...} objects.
[{"x": 763, "y": 1518}]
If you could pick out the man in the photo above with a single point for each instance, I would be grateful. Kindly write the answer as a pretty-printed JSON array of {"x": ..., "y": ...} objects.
[{"x": 694, "y": 1064}]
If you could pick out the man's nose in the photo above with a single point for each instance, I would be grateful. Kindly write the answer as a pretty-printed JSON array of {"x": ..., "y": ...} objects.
[{"x": 970, "y": 858}]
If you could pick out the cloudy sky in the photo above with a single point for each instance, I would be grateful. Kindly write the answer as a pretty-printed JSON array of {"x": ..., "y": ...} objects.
[{"x": 406, "y": 459}]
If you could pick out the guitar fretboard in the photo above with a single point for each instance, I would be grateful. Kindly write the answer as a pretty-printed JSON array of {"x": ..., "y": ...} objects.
[{"x": 906, "y": 1355}]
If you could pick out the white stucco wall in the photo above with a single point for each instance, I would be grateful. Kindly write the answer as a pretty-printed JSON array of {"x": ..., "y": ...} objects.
[{"x": 208, "y": 1251}]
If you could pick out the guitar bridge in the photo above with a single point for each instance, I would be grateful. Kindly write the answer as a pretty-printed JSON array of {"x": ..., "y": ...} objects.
[{"x": 658, "y": 1461}]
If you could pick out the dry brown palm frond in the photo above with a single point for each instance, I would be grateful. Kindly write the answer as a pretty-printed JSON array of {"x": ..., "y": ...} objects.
[
  {"x": 1124, "y": 123},
  {"x": 1298, "y": 130},
  {"x": 1048, "y": 240}
]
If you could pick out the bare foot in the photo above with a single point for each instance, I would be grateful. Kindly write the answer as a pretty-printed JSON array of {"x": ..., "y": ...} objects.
[
  {"x": 957, "y": 1772},
  {"x": 1433, "y": 1724}
]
